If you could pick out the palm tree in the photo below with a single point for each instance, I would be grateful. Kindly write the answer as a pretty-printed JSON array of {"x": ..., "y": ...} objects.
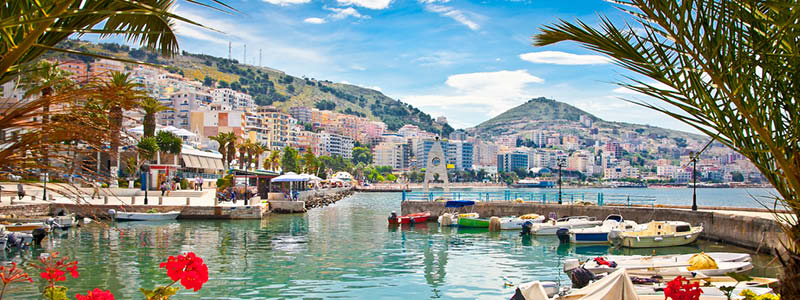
[
  {"x": 729, "y": 69},
  {"x": 231, "y": 144},
  {"x": 32, "y": 28},
  {"x": 274, "y": 160},
  {"x": 243, "y": 146},
  {"x": 122, "y": 94},
  {"x": 150, "y": 107},
  {"x": 222, "y": 139},
  {"x": 258, "y": 150}
]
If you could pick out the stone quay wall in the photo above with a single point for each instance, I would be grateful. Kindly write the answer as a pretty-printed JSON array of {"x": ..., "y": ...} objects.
[
  {"x": 310, "y": 199},
  {"x": 760, "y": 234},
  {"x": 101, "y": 211}
]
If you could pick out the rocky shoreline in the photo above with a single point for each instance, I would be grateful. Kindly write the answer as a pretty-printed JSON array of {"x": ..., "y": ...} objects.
[{"x": 325, "y": 200}]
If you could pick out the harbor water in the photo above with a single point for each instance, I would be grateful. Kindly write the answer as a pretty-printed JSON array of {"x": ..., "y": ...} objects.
[{"x": 342, "y": 251}]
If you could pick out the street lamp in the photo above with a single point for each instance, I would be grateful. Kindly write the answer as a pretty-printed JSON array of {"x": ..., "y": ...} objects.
[
  {"x": 694, "y": 179},
  {"x": 560, "y": 163},
  {"x": 145, "y": 174}
]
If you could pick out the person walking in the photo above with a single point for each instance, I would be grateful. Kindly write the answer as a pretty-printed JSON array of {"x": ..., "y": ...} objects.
[
  {"x": 197, "y": 183},
  {"x": 95, "y": 189},
  {"x": 177, "y": 182},
  {"x": 20, "y": 191},
  {"x": 201, "y": 183},
  {"x": 164, "y": 188}
]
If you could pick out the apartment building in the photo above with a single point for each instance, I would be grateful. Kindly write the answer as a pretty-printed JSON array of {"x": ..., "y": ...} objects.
[
  {"x": 395, "y": 155},
  {"x": 511, "y": 161},
  {"x": 182, "y": 104},
  {"x": 303, "y": 114},
  {"x": 210, "y": 123},
  {"x": 333, "y": 144},
  {"x": 236, "y": 100}
]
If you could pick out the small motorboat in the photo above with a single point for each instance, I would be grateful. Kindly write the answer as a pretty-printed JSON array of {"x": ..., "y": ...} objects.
[
  {"x": 472, "y": 222},
  {"x": 657, "y": 234},
  {"x": 62, "y": 222},
  {"x": 676, "y": 258},
  {"x": 700, "y": 263},
  {"x": 143, "y": 216},
  {"x": 552, "y": 226},
  {"x": 452, "y": 206},
  {"x": 410, "y": 218},
  {"x": 511, "y": 223},
  {"x": 599, "y": 234},
  {"x": 25, "y": 227}
]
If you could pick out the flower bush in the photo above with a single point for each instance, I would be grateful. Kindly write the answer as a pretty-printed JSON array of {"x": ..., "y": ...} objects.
[
  {"x": 750, "y": 295},
  {"x": 188, "y": 270},
  {"x": 680, "y": 289}
]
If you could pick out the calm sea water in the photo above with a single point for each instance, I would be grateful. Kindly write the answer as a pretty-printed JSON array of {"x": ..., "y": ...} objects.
[
  {"x": 731, "y": 197},
  {"x": 343, "y": 251}
]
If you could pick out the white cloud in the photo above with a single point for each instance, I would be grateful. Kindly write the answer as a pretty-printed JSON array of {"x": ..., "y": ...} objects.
[
  {"x": 341, "y": 13},
  {"x": 489, "y": 93},
  {"x": 564, "y": 58},
  {"x": 286, "y": 2},
  {"x": 452, "y": 13},
  {"x": 314, "y": 20},
  {"x": 371, "y": 4},
  {"x": 441, "y": 58}
]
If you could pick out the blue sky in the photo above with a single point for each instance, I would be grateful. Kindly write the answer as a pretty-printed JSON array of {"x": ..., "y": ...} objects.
[{"x": 466, "y": 60}]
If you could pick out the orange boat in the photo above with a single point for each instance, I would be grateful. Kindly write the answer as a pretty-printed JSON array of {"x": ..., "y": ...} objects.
[
  {"x": 23, "y": 227},
  {"x": 410, "y": 218}
]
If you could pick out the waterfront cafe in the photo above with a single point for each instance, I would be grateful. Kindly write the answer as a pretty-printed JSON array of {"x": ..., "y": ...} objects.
[
  {"x": 292, "y": 184},
  {"x": 260, "y": 180}
]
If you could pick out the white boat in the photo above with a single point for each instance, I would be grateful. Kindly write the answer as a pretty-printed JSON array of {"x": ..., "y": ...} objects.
[
  {"x": 674, "y": 265},
  {"x": 599, "y": 234},
  {"x": 512, "y": 223},
  {"x": 139, "y": 216},
  {"x": 682, "y": 258},
  {"x": 657, "y": 234},
  {"x": 550, "y": 227}
]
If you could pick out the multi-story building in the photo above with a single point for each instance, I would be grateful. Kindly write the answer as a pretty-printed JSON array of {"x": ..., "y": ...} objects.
[
  {"x": 409, "y": 131},
  {"x": 511, "y": 161},
  {"x": 586, "y": 121},
  {"x": 613, "y": 148},
  {"x": 544, "y": 158},
  {"x": 581, "y": 161},
  {"x": 333, "y": 144},
  {"x": 236, "y": 100},
  {"x": 182, "y": 104},
  {"x": 78, "y": 69},
  {"x": 307, "y": 141},
  {"x": 395, "y": 155},
  {"x": 211, "y": 123},
  {"x": 621, "y": 172},
  {"x": 104, "y": 67},
  {"x": 459, "y": 154},
  {"x": 303, "y": 114}
]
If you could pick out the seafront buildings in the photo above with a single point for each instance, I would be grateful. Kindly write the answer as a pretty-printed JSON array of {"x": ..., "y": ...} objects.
[{"x": 582, "y": 147}]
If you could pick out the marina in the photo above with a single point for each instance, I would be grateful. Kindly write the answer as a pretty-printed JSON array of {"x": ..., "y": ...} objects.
[{"x": 344, "y": 250}]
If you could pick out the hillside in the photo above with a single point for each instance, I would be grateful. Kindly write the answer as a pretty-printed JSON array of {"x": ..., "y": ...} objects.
[
  {"x": 273, "y": 87},
  {"x": 547, "y": 114}
]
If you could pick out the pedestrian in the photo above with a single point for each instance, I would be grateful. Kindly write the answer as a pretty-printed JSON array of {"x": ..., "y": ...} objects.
[
  {"x": 164, "y": 188},
  {"x": 201, "y": 183},
  {"x": 20, "y": 191},
  {"x": 95, "y": 189},
  {"x": 177, "y": 182}
]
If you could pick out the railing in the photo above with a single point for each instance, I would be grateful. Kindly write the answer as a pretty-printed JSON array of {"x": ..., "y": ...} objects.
[{"x": 541, "y": 197}]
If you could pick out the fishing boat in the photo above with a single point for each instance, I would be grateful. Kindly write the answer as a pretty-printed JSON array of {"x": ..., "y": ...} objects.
[
  {"x": 473, "y": 222},
  {"x": 657, "y": 234},
  {"x": 409, "y": 218},
  {"x": 599, "y": 234},
  {"x": 511, "y": 223},
  {"x": 143, "y": 216},
  {"x": 550, "y": 227},
  {"x": 25, "y": 227}
]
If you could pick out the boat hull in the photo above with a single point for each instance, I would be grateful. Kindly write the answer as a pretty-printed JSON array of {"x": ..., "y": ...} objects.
[
  {"x": 128, "y": 216},
  {"x": 678, "y": 239},
  {"x": 473, "y": 223},
  {"x": 547, "y": 229},
  {"x": 589, "y": 237},
  {"x": 411, "y": 218},
  {"x": 24, "y": 227}
]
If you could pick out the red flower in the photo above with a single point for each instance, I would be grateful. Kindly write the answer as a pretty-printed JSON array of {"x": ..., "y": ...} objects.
[
  {"x": 680, "y": 289},
  {"x": 189, "y": 269},
  {"x": 96, "y": 294},
  {"x": 13, "y": 274},
  {"x": 54, "y": 268}
]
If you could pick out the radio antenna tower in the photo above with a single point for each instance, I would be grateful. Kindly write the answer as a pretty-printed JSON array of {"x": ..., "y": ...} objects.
[
  {"x": 259, "y": 57},
  {"x": 244, "y": 58},
  {"x": 229, "y": 50}
]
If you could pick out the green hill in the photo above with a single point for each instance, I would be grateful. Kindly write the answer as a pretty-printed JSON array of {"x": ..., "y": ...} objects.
[
  {"x": 547, "y": 114},
  {"x": 273, "y": 87}
]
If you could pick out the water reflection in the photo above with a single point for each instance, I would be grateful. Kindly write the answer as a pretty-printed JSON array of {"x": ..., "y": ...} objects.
[{"x": 342, "y": 251}]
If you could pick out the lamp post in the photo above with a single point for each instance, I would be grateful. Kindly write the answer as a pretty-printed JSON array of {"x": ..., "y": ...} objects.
[
  {"x": 694, "y": 180},
  {"x": 560, "y": 163},
  {"x": 145, "y": 174}
]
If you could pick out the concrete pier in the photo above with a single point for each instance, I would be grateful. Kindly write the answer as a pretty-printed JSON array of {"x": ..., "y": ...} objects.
[{"x": 760, "y": 234}]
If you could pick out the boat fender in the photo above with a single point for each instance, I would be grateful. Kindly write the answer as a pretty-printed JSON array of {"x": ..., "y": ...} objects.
[
  {"x": 38, "y": 236},
  {"x": 112, "y": 212},
  {"x": 563, "y": 235}
]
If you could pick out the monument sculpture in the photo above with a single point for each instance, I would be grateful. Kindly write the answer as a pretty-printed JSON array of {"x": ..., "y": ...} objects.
[{"x": 436, "y": 165}]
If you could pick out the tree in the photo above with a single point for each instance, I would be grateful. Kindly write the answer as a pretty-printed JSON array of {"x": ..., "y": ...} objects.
[
  {"x": 289, "y": 161},
  {"x": 362, "y": 155},
  {"x": 737, "y": 177},
  {"x": 169, "y": 142},
  {"x": 123, "y": 94},
  {"x": 208, "y": 81},
  {"x": 34, "y": 27},
  {"x": 273, "y": 161},
  {"x": 309, "y": 162},
  {"x": 223, "y": 139},
  {"x": 391, "y": 177},
  {"x": 728, "y": 68},
  {"x": 150, "y": 107}
]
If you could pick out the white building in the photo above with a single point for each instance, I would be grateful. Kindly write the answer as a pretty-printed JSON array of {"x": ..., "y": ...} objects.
[
  {"x": 395, "y": 155},
  {"x": 235, "y": 100},
  {"x": 333, "y": 144}
]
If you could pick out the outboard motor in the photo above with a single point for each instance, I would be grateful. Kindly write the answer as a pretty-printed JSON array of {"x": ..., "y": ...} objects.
[
  {"x": 393, "y": 216},
  {"x": 526, "y": 228},
  {"x": 112, "y": 213},
  {"x": 38, "y": 236},
  {"x": 579, "y": 276},
  {"x": 563, "y": 235}
]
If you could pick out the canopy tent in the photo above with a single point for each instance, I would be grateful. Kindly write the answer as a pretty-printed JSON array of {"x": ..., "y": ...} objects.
[
  {"x": 290, "y": 177},
  {"x": 458, "y": 203},
  {"x": 311, "y": 177}
]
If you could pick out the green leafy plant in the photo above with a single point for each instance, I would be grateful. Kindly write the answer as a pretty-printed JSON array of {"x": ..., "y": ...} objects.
[{"x": 750, "y": 295}]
